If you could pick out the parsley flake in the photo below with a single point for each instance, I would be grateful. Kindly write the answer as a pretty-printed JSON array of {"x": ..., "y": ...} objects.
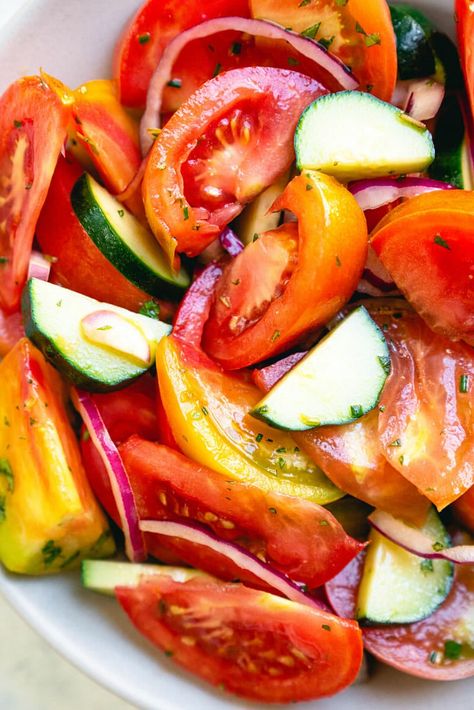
[{"x": 438, "y": 239}]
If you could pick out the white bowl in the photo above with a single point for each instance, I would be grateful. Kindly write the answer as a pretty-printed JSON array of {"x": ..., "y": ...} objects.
[{"x": 73, "y": 39}]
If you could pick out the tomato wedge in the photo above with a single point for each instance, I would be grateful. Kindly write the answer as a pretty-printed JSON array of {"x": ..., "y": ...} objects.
[
  {"x": 208, "y": 411},
  {"x": 359, "y": 32},
  {"x": 426, "y": 419},
  {"x": 252, "y": 643},
  {"x": 155, "y": 24},
  {"x": 291, "y": 280},
  {"x": 77, "y": 263},
  {"x": 33, "y": 124},
  {"x": 212, "y": 155},
  {"x": 427, "y": 246},
  {"x": 421, "y": 649},
  {"x": 464, "y": 14},
  {"x": 464, "y": 509}
]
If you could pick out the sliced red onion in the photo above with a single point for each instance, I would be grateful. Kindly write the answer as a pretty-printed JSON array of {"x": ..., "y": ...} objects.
[
  {"x": 230, "y": 242},
  {"x": 424, "y": 99},
  {"x": 258, "y": 28},
  {"x": 39, "y": 266},
  {"x": 376, "y": 281},
  {"x": 238, "y": 555},
  {"x": 121, "y": 489},
  {"x": 372, "y": 194},
  {"x": 416, "y": 542}
]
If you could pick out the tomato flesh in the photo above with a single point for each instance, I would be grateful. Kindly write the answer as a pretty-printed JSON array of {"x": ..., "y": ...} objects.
[
  {"x": 254, "y": 644},
  {"x": 212, "y": 155},
  {"x": 464, "y": 15},
  {"x": 418, "y": 648},
  {"x": 11, "y": 331},
  {"x": 33, "y": 124}
]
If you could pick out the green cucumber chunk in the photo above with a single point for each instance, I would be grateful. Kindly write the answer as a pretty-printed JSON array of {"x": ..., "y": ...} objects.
[
  {"x": 337, "y": 382},
  {"x": 103, "y": 576},
  {"x": 452, "y": 163},
  {"x": 413, "y": 31},
  {"x": 398, "y": 587},
  {"x": 124, "y": 241},
  {"x": 257, "y": 217},
  {"x": 352, "y": 135},
  {"x": 53, "y": 316}
]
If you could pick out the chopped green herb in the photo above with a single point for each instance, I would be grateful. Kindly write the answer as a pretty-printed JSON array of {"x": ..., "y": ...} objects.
[
  {"x": 338, "y": 261},
  {"x": 6, "y": 421},
  {"x": 121, "y": 213},
  {"x": 401, "y": 459},
  {"x": 308, "y": 187},
  {"x": 382, "y": 408},
  {"x": 144, "y": 38},
  {"x": 85, "y": 435},
  {"x": 275, "y": 336},
  {"x": 397, "y": 442},
  {"x": 293, "y": 62},
  {"x": 259, "y": 438},
  {"x": 186, "y": 213},
  {"x": 104, "y": 327},
  {"x": 464, "y": 384},
  {"x": 327, "y": 42},
  {"x": 235, "y": 48},
  {"x": 33, "y": 421},
  {"x": 323, "y": 523},
  {"x": 150, "y": 309},
  {"x": 312, "y": 31},
  {"x": 169, "y": 653},
  {"x": 281, "y": 462},
  {"x": 356, "y": 411},
  {"x": 434, "y": 657},
  {"x": 3, "y": 514},
  {"x": 341, "y": 3},
  {"x": 3, "y": 260},
  {"x": 255, "y": 237},
  {"x": 426, "y": 565},
  {"x": 50, "y": 552},
  {"x": 326, "y": 627},
  {"x": 438, "y": 239},
  {"x": 369, "y": 88},
  {"x": 236, "y": 282},
  {"x": 72, "y": 558},
  {"x": 360, "y": 29},
  {"x": 6, "y": 470},
  {"x": 59, "y": 303},
  {"x": 384, "y": 360},
  {"x": 281, "y": 450},
  {"x": 372, "y": 39},
  {"x": 17, "y": 124},
  {"x": 273, "y": 511},
  {"x": 217, "y": 69},
  {"x": 205, "y": 411},
  {"x": 452, "y": 650},
  {"x": 303, "y": 3},
  {"x": 437, "y": 546},
  {"x": 175, "y": 83}
]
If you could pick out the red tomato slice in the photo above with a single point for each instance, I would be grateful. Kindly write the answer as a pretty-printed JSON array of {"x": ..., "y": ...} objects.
[
  {"x": 252, "y": 643},
  {"x": 33, "y": 124},
  {"x": 419, "y": 648},
  {"x": 427, "y": 246},
  {"x": 464, "y": 509},
  {"x": 464, "y": 14},
  {"x": 78, "y": 264},
  {"x": 212, "y": 155},
  {"x": 269, "y": 296},
  {"x": 359, "y": 32},
  {"x": 155, "y": 24},
  {"x": 11, "y": 331},
  {"x": 426, "y": 419}
]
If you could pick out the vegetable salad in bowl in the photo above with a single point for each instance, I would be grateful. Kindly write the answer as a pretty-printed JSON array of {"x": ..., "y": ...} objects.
[{"x": 237, "y": 339}]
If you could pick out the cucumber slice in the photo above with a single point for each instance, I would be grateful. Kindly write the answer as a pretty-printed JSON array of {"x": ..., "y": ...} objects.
[
  {"x": 103, "y": 576},
  {"x": 338, "y": 382},
  {"x": 398, "y": 587},
  {"x": 452, "y": 163},
  {"x": 124, "y": 241},
  {"x": 352, "y": 135},
  {"x": 256, "y": 217},
  {"x": 53, "y": 316},
  {"x": 413, "y": 31}
]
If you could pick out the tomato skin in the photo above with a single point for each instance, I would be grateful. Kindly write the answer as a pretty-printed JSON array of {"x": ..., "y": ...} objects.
[
  {"x": 332, "y": 243},
  {"x": 464, "y": 15},
  {"x": 192, "y": 149},
  {"x": 157, "y": 22},
  {"x": 427, "y": 246},
  {"x": 78, "y": 264},
  {"x": 243, "y": 620},
  {"x": 373, "y": 63},
  {"x": 464, "y": 509},
  {"x": 11, "y": 331},
  {"x": 426, "y": 420},
  {"x": 408, "y": 647},
  {"x": 266, "y": 377},
  {"x": 33, "y": 124}
]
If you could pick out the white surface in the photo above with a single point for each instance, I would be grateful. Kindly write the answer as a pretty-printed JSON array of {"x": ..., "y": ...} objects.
[{"x": 73, "y": 39}]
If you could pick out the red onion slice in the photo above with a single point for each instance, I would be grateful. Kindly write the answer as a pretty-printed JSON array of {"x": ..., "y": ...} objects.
[
  {"x": 372, "y": 194},
  {"x": 424, "y": 99},
  {"x": 121, "y": 489},
  {"x": 230, "y": 242},
  {"x": 39, "y": 266},
  {"x": 257, "y": 28},
  {"x": 240, "y": 557},
  {"x": 376, "y": 281},
  {"x": 417, "y": 542}
]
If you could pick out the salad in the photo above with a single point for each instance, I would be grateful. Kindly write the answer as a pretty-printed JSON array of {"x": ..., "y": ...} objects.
[{"x": 236, "y": 323}]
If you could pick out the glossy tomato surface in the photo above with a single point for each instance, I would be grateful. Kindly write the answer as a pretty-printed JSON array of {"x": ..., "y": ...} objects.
[
  {"x": 464, "y": 15},
  {"x": 33, "y": 124},
  {"x": 252, "y": 643},
  {"x": 439, "y": 647},
  {"x": 427, "y": 246},
  {"x": 212, "y": 156},
  {"x": 291, "y": 280},
  {"x": 11, "y": 331}
]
